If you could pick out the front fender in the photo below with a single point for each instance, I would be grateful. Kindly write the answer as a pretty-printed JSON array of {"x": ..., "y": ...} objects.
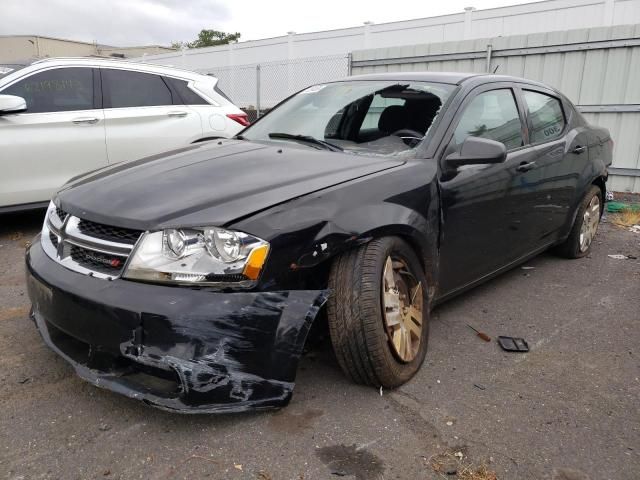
[{"x": 307, "y": 232}]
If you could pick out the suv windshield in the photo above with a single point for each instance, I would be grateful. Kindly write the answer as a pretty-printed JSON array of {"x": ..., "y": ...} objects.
[
  {"x": 366, "y": 117},
  {"x": 7, "y": 69}
]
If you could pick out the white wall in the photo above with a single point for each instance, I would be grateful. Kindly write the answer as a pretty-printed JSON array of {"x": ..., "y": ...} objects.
[{"x": 550, "y": 15}]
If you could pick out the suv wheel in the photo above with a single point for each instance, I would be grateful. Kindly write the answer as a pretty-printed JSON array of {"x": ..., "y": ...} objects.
[{"x": 378, "y": 313}]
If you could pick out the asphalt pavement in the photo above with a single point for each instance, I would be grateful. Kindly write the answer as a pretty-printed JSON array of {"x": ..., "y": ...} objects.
[{"x": 567, "y": 410}]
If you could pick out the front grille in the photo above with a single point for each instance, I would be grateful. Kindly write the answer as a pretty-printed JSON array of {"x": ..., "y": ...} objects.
[
  {"x": 54, "y": 239},
  {"x": 88, "y": 247},
  {"x": 61, "y": 214},
  {"x": 105, "y": 263},
  {"x": 109, "y": 233}
]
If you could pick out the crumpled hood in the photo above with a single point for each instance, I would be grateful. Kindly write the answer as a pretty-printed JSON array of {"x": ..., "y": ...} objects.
[{"x": 209, "y": 183}]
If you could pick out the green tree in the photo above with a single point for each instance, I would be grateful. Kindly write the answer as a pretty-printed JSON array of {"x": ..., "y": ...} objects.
[{"x": 209, "y": 38}]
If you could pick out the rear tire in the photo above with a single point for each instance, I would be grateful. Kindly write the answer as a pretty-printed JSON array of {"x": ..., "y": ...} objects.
[
  {"x": 578, "y": 243},
  {"x": 378, "y": 312}
]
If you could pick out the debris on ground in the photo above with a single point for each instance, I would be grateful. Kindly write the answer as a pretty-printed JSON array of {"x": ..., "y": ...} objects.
[
  {"x": 482, "y": 335},
  {"x": 479, "y": 387},
  {"x": 15, "y": 236},
  {"x": 104, "y": 427},
  {"x": 454, "y": 464},
  {"x": 619, "y": 256},
  {"x": 609, "y": 197},
  {"x": 618, "y": 207},
  {"x": 513, "y": 344},
  {"x": 527, "y": 268},
  {"x": 626, "y": 215}
]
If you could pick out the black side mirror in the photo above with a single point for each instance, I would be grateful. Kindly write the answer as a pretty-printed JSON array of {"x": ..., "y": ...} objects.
[{"x": 477, "y": 151}]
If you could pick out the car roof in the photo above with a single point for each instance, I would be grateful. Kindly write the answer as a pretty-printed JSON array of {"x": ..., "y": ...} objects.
[
  {"x": 120, "y": 63},
  {"x": 454, "y": 78}
]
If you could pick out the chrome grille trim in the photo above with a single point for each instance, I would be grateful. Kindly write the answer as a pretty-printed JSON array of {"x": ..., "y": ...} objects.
[
  {"x": 75, "y": 236},
  {"x": 71, "y": 242}
]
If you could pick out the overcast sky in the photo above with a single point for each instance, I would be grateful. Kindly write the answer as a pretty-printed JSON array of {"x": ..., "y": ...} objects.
[{"x": 138, "y": 22}]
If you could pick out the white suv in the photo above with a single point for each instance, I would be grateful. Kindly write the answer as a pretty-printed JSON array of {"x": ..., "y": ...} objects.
[{"x": 62, "y": 117}]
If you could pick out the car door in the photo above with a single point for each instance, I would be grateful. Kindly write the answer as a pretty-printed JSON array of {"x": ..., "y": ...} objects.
[
  {"x": 143, "y": 115},
  {"x": 561, "y": 157},
  {"x": 484, "y": 221},
  {"x": 59, "y": 136}
]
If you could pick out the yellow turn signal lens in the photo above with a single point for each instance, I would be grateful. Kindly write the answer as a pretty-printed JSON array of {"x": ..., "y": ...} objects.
[{"x": 255, "y": 262}]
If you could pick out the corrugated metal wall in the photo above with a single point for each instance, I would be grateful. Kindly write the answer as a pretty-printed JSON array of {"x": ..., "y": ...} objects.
[{"x": 597, "y": 68}]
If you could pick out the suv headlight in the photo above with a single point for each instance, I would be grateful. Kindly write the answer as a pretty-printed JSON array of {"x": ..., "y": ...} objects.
[{"x": 198, "y": 256}]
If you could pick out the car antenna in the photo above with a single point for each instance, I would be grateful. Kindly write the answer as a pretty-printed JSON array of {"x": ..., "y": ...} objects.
[{"x": 496, "y": 69}]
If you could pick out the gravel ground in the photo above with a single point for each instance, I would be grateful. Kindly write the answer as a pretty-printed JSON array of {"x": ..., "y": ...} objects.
[{"x": 567, "y": 410}]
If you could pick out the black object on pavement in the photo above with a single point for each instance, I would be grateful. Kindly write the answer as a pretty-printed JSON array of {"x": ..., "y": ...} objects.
[{"x": 513, "y": 344}]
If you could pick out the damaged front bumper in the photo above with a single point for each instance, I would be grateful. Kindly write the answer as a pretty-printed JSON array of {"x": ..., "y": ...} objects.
[{"x": 179, "y": 349}]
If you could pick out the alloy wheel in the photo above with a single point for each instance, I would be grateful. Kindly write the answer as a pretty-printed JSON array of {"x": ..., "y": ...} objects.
[
  {"x": 590, "y": 221},
  {"x": 402, "y": 304}
]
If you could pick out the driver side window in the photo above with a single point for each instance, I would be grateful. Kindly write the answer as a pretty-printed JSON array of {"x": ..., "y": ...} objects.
[
  {"x": 493, "y": 115},
  {"x": 56, "y": 90}
]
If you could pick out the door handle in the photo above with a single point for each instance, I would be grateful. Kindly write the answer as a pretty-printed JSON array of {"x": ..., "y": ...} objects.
[
  {"x": 525, "y": 166},
  {"x": 177, "y": 113},
  {"x": 85, "y": 120},
  {"x": 579, "y": 149}
]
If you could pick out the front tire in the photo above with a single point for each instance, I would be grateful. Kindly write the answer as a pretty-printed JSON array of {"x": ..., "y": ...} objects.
[
  {"x": 378, "y": 313},
  {"x": 578, "y": 243}
]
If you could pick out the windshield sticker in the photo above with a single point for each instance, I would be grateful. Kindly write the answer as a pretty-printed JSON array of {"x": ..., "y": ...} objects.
[{"x": 313, "y": 89}]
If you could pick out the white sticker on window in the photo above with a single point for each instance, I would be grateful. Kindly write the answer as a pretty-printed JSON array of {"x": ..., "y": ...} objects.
[{"x": 313, "y": 89}]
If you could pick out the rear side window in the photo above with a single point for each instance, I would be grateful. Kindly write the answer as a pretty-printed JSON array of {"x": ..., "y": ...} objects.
[
  {"x": 187, "y": 96},
  {"x": 493, "y": 115},
  {"x": 122, "y": 88},
  {"x": 58, "y": 90},
  {"x": 545, "y": 116},
  {"x": 222, "y": 94}
]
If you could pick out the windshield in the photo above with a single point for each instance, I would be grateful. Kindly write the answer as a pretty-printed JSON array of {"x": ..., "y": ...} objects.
[
  {"x": 7, "y": 69},
  {"x": 362, "y": 117}
]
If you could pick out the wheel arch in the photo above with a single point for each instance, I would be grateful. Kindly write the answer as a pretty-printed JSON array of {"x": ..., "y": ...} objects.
[
  {"x": 601, "y": 182},
  {"x": 423, "y": 246}
]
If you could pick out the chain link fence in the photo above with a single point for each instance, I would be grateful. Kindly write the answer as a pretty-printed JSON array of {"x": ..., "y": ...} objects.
[{"x": 256, "y": 88}]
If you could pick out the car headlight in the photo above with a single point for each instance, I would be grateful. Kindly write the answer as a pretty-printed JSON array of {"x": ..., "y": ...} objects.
[{"x": 198, "y": 256}]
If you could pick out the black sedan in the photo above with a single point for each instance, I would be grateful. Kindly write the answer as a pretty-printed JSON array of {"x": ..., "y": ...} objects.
[{"x": 191, "y": 279}]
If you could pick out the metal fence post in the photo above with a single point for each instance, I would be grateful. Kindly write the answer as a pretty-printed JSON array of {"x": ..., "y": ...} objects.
[
  {"x": 349, "y": 60},
  {"x": 489, "y": 51},
  {"x": 258, "y": 91}
]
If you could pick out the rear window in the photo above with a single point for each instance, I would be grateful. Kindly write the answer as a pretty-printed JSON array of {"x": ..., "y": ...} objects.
[
  {"x": 187, "y": 96},
  {"x": 222, "y": 94}
]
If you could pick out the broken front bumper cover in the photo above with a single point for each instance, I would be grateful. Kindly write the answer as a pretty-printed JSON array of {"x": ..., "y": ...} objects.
[{"x": 179, "y": 349}]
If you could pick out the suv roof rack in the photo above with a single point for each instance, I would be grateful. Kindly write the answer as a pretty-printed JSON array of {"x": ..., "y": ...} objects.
[{"x": 115, "y": 60}]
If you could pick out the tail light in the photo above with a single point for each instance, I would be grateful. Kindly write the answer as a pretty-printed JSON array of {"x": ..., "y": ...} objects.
[{"x": 241, "y": 118}]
